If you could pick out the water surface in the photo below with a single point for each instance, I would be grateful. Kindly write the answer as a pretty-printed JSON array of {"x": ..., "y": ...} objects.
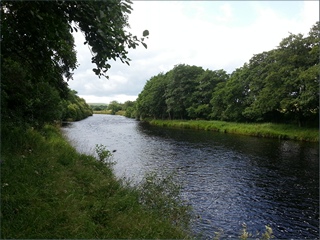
[{"x": 228, "y": 179}]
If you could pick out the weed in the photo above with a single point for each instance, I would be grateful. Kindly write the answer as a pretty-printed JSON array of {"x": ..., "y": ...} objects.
[
  {"x": 244, "y": 233},
  {"x": 268, "y": 234},
  {"x": 162, "y": 195},
  {"x": 104, "y": 155}
]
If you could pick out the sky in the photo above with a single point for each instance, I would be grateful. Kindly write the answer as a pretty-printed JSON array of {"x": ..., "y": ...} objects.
[{"x": 211, "y": 34}]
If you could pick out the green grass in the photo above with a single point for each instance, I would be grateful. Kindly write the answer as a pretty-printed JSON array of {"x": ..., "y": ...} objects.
[
  {"x": 121, "y": 112},
  {"x": 102, "y": 112},
  {"x": 269, "y": 130},
  {"x": 48, "y": 190},
  {"x": 97, "y": 104}
]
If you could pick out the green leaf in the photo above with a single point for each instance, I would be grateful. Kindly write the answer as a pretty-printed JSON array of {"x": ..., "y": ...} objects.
[
  {"x": 145, "y": 45},
  {"x": 145, "y": 33},
  {"x": 38, "y": 16},
  {"x": 102, "y": 15}
]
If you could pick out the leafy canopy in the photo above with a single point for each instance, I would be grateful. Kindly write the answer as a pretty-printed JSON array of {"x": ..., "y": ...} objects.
[
  {"x": 38, "y": 50},
  {"x": 280, "y": 85}
]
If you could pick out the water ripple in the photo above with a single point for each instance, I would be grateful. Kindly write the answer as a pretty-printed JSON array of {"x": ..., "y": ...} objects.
[{"x": 229, "y": 180}]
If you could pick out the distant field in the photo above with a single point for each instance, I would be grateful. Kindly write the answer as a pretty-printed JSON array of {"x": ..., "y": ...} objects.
[
  {"x": 102, "y": 112},
  {"x": 97, "y": 104},
  {"x": 121, "y": 112}
]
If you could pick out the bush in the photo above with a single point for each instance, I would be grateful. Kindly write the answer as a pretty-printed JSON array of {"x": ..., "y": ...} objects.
[
  {"x": 162, "y": 195},
  {"x": 104, "y": 155}
]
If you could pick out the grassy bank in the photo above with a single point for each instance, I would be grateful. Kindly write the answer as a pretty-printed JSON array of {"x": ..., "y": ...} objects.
[
  {"x": 48, "y": 190},
  {"x": 102, "y": 112},
  {"x": 269, "y": 130},
  {"x": 121, "y": 112}
]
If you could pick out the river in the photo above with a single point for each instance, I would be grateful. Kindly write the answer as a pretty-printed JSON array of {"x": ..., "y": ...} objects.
[{"x": 229, "y": 180}]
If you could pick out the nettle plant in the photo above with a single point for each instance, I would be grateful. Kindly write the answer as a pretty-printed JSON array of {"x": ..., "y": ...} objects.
[{"x": 104, "y": 155}]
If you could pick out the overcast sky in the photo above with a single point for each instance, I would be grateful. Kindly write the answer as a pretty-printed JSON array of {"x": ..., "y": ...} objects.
[{"x": 211, "y": 34}]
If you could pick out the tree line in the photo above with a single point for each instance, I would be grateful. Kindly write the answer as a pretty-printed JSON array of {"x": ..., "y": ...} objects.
[
  {"x": 280, "y": 85},
  {"x": 114, "y": 107},
  {"x": 38, "y": 54}
]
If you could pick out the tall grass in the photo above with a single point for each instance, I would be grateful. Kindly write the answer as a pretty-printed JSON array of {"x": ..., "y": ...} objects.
[
  {"x": 269, "y": 130},
  {"x": 48, "y": 190}
]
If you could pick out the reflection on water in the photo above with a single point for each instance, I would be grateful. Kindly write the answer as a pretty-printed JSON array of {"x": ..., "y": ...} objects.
[{"x": 229, "y": 180}]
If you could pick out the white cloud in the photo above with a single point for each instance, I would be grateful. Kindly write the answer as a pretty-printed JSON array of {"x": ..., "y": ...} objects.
[
  {"x": 309, "y": 15},
  {"x": 226, "y": 13},
  {"x": 121, "y": 98},
  {"x": 211, "y": 34}
]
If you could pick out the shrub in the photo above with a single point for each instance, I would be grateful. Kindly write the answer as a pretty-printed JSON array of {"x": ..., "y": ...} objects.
[
  {"x": 104, "y": 155},
  {"x": 162, "y": 195}
]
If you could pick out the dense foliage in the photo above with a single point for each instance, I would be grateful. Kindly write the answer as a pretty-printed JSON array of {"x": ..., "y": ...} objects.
[
  {"x": 75, "y": 108},
  {"x": 98, "y": 106},
  {"x": 280, "y": 85},
  {"x": 38, "y": 53},
  {"x": 114, "y": 107}
]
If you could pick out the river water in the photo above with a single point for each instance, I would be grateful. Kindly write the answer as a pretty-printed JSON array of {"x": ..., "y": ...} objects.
[{"x": 229, "y": 180}]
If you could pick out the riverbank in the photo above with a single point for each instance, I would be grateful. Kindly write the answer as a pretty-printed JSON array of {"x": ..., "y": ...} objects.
[
  {"x": 121, "y": 112},
  {"x": 102, "y": 112},
  {"x": 48, "y": 190},
  {"x": 268, "y": 130}
]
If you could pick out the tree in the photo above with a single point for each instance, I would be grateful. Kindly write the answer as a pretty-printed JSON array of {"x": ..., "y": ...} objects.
[
  {"x": 201, "y": 97},
  {"x": 298, "y": 58},
  {"x": 114, "y": 106},
  {"x": 74, "y": 107},
  {"x": 278, "y": 85},
  {"x": 151, "y": 101},
  {"x": 284, "y": 82},
  {"x": 127, "y": 105},
  {"x": 38, "y": 47},
  {"x": 181, "y": 85},
  {"x": 265, "y": 88},
  {"x": 230, "y": 98}
]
